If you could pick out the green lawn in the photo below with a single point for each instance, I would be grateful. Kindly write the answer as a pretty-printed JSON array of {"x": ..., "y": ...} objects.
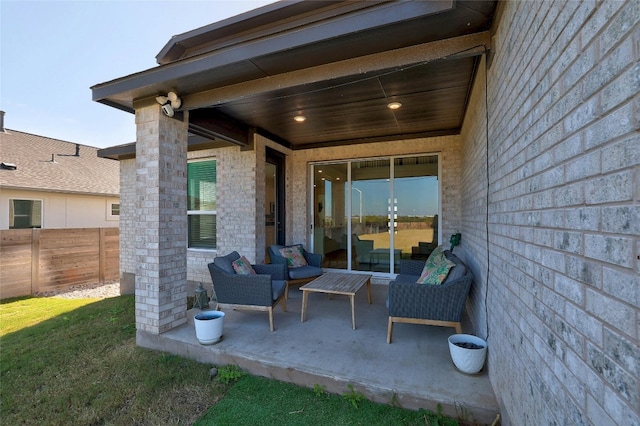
[{"x": 76, "y": 362}]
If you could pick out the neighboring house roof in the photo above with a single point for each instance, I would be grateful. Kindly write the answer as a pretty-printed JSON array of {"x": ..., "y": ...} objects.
[{"x": 47, "y": 164}]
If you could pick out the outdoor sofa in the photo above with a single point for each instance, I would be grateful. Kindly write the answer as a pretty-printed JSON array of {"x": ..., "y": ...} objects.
[
  {"x": 428, "y": 304},
  {"x": 261, "y": 291},
  {"x": 296, "y": 275}
]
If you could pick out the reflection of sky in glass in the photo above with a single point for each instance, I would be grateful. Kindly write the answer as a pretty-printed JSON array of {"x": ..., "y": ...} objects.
[{"x": 415, "y": 195}]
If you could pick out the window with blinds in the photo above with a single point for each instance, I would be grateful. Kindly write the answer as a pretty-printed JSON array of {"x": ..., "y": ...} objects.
[
  {"x": 201, "y": 203},
  {"x": 25, "y": 214}
]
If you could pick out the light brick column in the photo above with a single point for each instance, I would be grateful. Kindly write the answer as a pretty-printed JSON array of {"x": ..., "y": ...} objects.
[{"x": 161, "y": 221}]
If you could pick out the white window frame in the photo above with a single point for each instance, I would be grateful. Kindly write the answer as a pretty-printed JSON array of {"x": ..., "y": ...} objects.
[
  {"x": 11, "y": 200},
  {"x": 110, "y": 215},
  {"x": 201, "y": 212}
]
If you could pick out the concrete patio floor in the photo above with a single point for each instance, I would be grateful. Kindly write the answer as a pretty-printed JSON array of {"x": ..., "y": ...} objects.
[{"x": 414, "y": 371}]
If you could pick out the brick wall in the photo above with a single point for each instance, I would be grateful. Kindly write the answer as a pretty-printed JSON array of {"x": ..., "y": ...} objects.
[
  {"x": 474, "y": 247},
  {"x": 236, "y": 219},
  {"x": 127, "y": 225},
  {"x": 240, "y": 204},
  {"x": 160, "y": 221},
  {"x": 563, "y": 157},
  {"x": 240, "y": 208}
]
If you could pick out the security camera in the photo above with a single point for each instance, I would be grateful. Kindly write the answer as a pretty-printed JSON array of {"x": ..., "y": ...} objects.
[
  {"x": 169, "y": 103},
  {"x": 168, "y": 111}
]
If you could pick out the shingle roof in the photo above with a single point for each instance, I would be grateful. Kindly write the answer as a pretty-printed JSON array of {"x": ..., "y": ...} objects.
[{"x": 52, "y": 165}]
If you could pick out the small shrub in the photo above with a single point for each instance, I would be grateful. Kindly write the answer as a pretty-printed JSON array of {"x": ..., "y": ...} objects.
[
  {"x": 319, "y": 390},
  {"x": 229, "y": 374},
  {"x": 353, "y": 396}
]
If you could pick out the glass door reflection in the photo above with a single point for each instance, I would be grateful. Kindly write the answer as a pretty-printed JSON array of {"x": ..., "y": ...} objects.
[
  {"x": 330, "y": 215},
  {"x": 371, "y": 215}
]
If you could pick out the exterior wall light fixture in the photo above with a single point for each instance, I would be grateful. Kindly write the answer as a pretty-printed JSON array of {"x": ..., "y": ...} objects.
[{"x": 169, "y": 103}]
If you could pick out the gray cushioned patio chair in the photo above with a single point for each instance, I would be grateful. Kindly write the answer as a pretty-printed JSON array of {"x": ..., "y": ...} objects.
[
  {"x": 441, "y": 305},
  {"x": 260, "y": 292},
  {"x": 301, "y": 274}
]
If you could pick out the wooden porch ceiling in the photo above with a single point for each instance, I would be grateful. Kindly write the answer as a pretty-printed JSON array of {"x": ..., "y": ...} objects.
[
  {"x": 338, "y": 63},
  {"x": 354, "y": 109}
]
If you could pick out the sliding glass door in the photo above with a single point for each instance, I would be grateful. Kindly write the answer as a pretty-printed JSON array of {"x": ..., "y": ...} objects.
[
  {"x": 371, "y": 221},
  {"x": 417, "y": 196},
  {"x": 370, "y": 213},
  {"x": 330, "y": 214}
]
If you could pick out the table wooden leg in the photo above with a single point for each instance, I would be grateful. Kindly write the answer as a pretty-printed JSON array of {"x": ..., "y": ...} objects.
[
  {"x": 305, "y": 296},
  {"x": 369, "y": 290},
  {"x": 353, "y": 310}
]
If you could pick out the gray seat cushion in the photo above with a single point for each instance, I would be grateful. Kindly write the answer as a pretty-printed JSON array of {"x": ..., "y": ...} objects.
[
  {"x": 226, "y": 262},
  {"x": 306, "y": 271},
  {"x": 278, "y": 287}
]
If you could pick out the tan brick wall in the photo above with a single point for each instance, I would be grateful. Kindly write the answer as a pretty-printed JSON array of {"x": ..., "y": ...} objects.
[
  {"x": 473, "y": 249},
  {"x": 237, "y": 201},
  {"x": 127, "y": 216},
  {"x": 563, "y": 299},
  {"x": 160, "y": 221},
  {"x": 240, "y": 214}
]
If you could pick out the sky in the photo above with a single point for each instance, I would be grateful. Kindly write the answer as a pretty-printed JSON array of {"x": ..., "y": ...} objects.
[
  {"x": 52, "y": 53},
  {"x": 376, "y": 196}
]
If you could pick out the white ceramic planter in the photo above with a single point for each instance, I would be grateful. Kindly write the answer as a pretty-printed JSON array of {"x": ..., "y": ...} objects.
[
  {"x": 208, "y": 326},
  {"x": 468, "y": 361}
]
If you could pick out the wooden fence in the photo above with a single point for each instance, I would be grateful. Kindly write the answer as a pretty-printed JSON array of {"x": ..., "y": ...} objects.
[{"x": 39, "y": 260}]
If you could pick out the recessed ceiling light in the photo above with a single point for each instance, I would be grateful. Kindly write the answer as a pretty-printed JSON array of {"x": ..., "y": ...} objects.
[
  {"x": 299, "y": 118},
  {"x": 394, "y": 105}
]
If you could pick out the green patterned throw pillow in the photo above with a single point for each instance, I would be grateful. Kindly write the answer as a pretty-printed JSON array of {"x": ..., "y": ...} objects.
[
  {"x": 436, "y": 256},
  {"x": 242, "y": 266},
  {"x": 294, "y": 256},
  {"x": 435, "y": 274}
]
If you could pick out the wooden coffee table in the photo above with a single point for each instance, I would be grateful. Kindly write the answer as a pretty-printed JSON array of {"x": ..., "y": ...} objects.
[{"x": 336, "y": 283}]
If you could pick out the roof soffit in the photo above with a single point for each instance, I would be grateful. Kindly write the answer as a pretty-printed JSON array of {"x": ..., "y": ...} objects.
[{"x": 311, "y": 46}]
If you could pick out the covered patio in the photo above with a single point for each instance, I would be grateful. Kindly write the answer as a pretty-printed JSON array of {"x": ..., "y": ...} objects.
[
  {"x": 414, "y": 371},
  {"x": 525, "y": 113}
]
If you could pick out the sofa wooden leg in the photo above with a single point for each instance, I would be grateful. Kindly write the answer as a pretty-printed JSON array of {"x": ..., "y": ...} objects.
[
  {"x": 390, "y": 330},
  {"x": 271, "y": 326}
]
